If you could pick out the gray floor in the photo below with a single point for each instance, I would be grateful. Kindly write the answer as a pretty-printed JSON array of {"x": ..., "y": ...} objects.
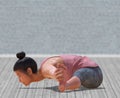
[
  {"x": 60, "y": 26},
  {"x": 11, "y": 88}
]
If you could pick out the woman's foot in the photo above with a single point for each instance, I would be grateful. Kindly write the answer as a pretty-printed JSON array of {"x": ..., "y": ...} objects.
[
  {"x": 73, "y": 83},
  {"x": 61, "y": 88}
]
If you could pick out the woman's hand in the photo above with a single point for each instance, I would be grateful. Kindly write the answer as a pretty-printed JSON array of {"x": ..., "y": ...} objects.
[
  {"x": 60, "y": 76},
  {"x": 59, "y": 73}
]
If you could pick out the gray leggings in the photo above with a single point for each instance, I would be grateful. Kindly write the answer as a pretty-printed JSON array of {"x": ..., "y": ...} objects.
[{"x": 90, "y": 77}]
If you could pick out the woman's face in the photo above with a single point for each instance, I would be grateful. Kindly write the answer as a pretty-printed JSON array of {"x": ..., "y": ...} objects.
[{"x": 23, "y": 77}]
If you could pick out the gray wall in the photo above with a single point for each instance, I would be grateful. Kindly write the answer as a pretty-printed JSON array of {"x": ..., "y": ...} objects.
[{"x": 60, "y": 26}]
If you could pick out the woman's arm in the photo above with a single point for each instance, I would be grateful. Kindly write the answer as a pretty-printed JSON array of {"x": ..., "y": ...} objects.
[
  {"x": 54, "y": 72},
  {"x": 53, "y": 68}
]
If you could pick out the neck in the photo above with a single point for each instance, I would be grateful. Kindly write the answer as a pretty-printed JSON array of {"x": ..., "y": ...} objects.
[{"x": 37, "y": 77}]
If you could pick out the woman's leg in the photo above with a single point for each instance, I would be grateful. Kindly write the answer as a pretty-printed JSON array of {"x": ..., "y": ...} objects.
[
  {"x": 71, "y": 84},
  {"x": 88, "y": 77}
]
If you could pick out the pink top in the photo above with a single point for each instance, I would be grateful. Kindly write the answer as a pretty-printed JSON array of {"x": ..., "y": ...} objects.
[{"x": 74, "y": 62}]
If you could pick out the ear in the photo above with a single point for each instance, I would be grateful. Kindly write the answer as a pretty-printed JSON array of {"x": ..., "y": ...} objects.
[{"x": 29, "y": 71}]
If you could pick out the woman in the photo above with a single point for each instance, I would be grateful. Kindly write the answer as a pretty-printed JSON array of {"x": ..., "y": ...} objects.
[{"x": 71, "y": 71}]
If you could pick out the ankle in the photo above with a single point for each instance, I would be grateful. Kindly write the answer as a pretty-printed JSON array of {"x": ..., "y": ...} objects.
[{"x": 61, "y": 88}]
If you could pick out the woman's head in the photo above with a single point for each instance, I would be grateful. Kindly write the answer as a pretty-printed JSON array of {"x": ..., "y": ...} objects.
[
  {"x": 24, "y": 68},
  {"x": 23, "y": 63}
]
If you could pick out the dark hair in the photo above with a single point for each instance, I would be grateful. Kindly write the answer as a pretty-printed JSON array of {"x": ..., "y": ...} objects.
[{"x": 25, "y": 62}]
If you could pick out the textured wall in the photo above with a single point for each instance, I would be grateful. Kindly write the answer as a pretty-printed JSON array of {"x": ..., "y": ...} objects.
[{"x": 60, "y": 26}]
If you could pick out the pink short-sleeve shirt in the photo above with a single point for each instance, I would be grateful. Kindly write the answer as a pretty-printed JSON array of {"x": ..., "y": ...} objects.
[{"x": 75, "y": 62}]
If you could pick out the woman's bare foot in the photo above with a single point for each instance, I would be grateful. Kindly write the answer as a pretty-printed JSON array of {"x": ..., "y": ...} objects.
[
  {"x": 73, "y": 83},
  {"x": 61, "y": 87}
]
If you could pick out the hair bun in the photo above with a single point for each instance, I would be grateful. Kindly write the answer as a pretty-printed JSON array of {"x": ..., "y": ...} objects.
[{"x": 20, "y": 55}]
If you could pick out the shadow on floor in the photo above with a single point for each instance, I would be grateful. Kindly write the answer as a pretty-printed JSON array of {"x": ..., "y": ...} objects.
[
  {"x": 55, "y": 88},
  {"x": 31, "y": 88}
]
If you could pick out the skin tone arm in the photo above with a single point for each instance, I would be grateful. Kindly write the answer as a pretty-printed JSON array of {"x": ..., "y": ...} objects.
[
  {"x": 54, "y": 71},
  {"x": 53, "y": 68}
]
